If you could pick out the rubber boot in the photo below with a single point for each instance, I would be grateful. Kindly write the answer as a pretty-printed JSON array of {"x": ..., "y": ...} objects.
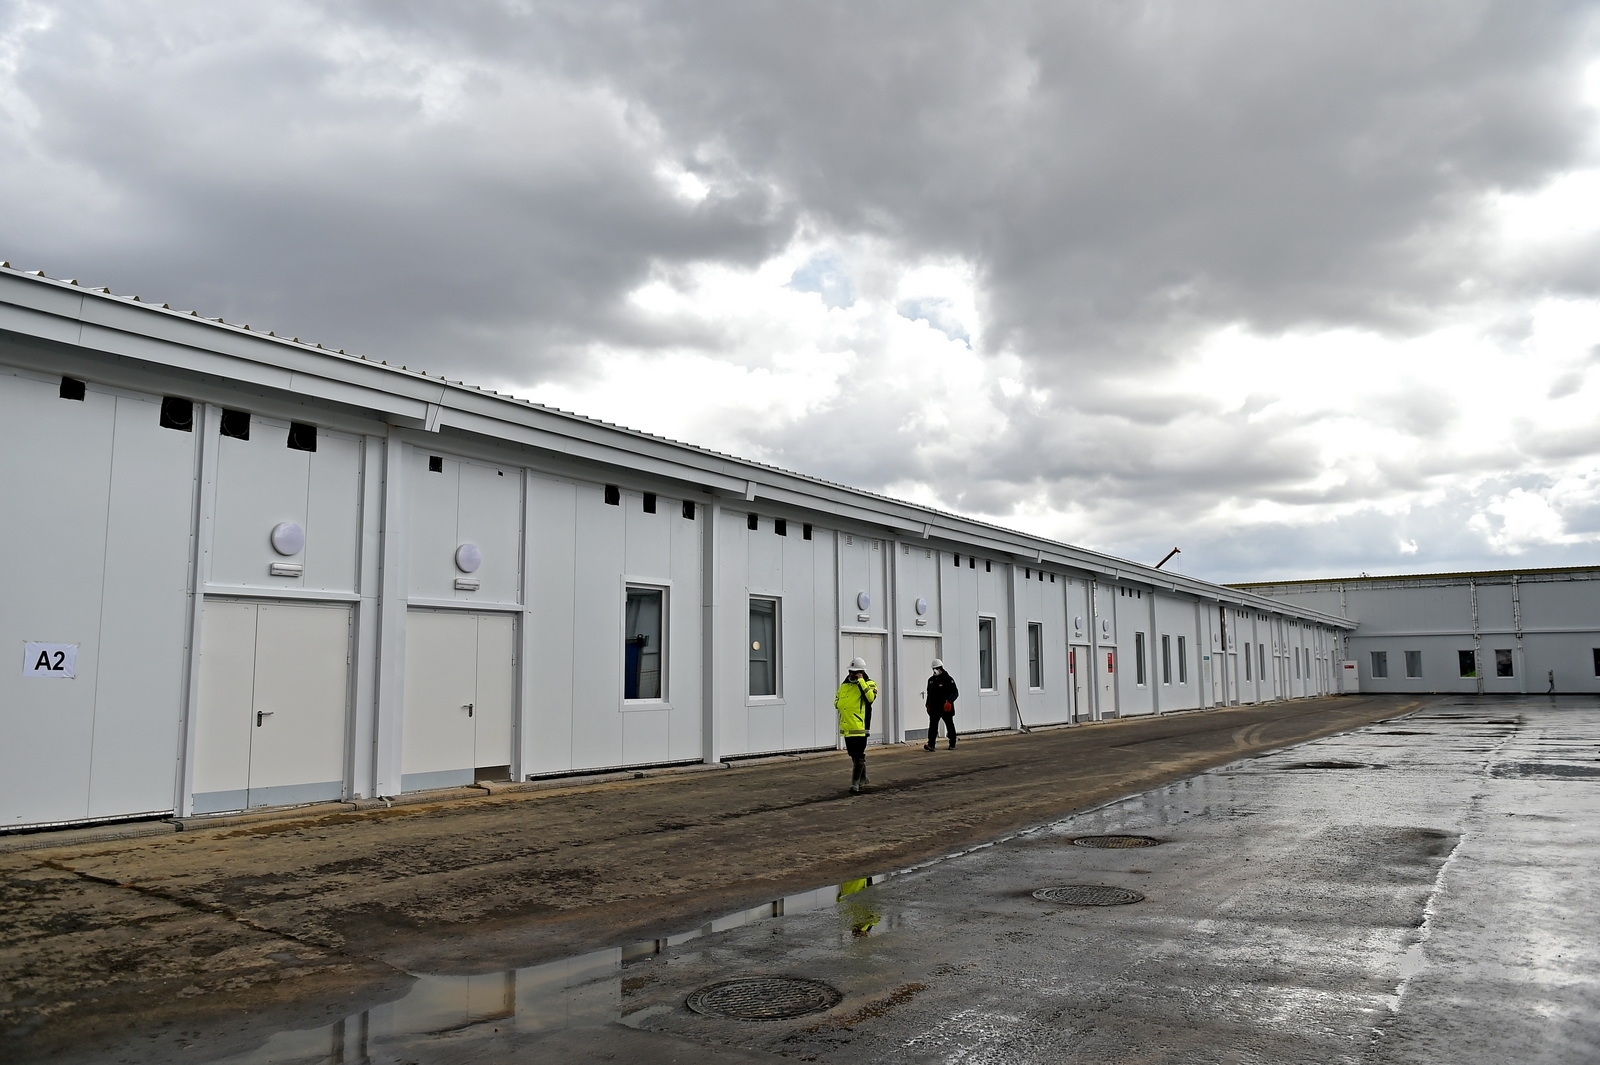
[{"x": 858, "y": 774}]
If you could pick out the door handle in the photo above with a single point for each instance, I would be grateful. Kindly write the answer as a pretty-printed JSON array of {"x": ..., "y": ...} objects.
[
  {"x": 261, "y": 714},
  {"x": 468, "y": 708}
]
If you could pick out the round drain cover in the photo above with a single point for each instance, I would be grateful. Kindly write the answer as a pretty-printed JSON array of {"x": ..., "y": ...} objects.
[
  {"x": 1115, "y": 842},
  {"x": 1328, "y": 765},
  {"x": 764, "y": 998},
  {"x": 1088, "y": 895}
]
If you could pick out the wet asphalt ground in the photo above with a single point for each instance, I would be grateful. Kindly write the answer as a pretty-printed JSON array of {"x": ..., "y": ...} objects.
[{"x": 1425, "y": 889}]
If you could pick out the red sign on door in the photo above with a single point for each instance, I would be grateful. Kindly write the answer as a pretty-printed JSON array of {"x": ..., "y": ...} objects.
[
  {"x": 1111, "y": 661},
  {"x": 1072, "y": 661}
]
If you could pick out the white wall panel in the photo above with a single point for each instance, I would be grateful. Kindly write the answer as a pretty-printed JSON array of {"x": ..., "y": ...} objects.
[
  {"x": 333, "y": 513},
  {"x": 465, "y": 502},
  {"x": 549, "y": 673},
  {"x": 597, "y": 633}
]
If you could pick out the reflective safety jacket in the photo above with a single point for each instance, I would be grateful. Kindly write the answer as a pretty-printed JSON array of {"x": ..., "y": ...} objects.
[{"x": 854, "y": 703}]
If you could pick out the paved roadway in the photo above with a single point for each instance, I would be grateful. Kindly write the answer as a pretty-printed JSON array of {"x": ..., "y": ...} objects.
[{"x": 1437, "y": 905}]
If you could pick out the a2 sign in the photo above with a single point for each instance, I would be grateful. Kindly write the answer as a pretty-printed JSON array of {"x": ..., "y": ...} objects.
[{"x": 50, "y": 661}]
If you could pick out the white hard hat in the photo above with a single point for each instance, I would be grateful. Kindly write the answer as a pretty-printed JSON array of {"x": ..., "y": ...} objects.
[
  {"x": 937, "y": 664},
  {"x": 858, "y": 663}
]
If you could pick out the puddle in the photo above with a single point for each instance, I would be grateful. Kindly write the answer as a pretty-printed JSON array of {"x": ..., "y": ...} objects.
[{"x": 574, "y": 992}]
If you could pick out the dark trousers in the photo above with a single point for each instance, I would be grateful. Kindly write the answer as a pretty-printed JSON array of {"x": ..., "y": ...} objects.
[
  {"x": 949, "y": 719},
  {"x": 857, "y": 746}
]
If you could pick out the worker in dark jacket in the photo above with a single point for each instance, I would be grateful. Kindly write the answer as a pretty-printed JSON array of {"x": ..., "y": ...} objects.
[
  {"x": 854, "y": 703},
  {"x": 942, "y": 692}
]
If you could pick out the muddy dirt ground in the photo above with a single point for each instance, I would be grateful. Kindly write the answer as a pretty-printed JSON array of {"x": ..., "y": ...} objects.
[{"x": 132, "y": 949}]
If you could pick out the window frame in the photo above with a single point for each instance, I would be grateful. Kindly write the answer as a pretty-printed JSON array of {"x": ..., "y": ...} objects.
[
  {"x": 1413, "y": 658},
  {"x": 1467, "y": 663},
  {"x": 1140, "y": 671},
  {"x": 1505, "y": 663},
  {"x": 1378, "y": 664},
  {"x": 987, "y": 654},
  {"x": 1166, "y": 660},
  {"x": 775, "y": 650},
  {"x": 1036, "y": 656},
  {"x": 1183, "y": 660},
  {"x": 663, "y": 698}
]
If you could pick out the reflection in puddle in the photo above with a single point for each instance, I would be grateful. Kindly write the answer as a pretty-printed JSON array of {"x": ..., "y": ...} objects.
[{"x": 574, "y": 992}]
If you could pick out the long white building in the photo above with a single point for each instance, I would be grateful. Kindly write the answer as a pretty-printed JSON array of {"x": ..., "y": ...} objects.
[
  {"x": 242, "y": 570},
  {"x": 1501, "y": 631}
]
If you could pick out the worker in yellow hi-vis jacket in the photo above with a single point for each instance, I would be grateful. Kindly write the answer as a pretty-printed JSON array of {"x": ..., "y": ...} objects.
[{"x": 854, "y": 703}]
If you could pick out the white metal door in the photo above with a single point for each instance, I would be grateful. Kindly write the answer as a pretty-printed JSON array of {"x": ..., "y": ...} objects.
[
  {"x": 302, "y": 681},
  {"x": 916, "y": 666},
  {"x": 496, "y": 687},
  {"x": 224, "y": 721},
  {"x": 439, "y": 736},
  {"x": 869, "y": 648},
  {"x": 1078, "y": 663}
]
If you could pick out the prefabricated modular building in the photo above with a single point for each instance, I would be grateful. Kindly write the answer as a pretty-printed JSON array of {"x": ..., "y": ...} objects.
[{"x": 242, "y": 570}]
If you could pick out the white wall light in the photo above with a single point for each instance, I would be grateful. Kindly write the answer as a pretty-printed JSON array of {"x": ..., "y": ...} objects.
[
  {"x": 863, "y": 601},
  {"x": 922, "y": 607},
  {"x": 468, "y": 558},
  {"x": 288, "y": 538}
]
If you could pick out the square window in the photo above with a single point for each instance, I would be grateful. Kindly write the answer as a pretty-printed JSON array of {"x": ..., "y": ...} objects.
[
  {"x": 1413, "y": 664},
  {"x": 236, "y": 424},
  {"x": 1597, "y": 661},
  {"x": 72, "y": 388},
  {"x": 302, "y": 437},
  {"x": 752, "y": 523},
  {"x": 780, "y": 527},
  {"x": 1380, "y": 663},
  {"x": 1035, "y": 655},
  {"x": 613, "y": 496},
  {"x": 435, "y": 464},
  {"x": 1502, "y": 662},
  {"x": 763, "y": 647},
  {"x": 1138, "y": 659},
  {"x": 805, "y": 531},
  {"x": 986, "y": 654},
  {"x": 177, "y": 414},
  {"x": 688, "y": 509},
  {"x": 1468, "y": 663},
  {"x": 649, "y": 502},
  {"x": 643, "y": 642}
]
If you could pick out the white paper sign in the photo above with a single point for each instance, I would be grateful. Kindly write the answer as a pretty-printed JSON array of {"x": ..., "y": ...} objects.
[{"x": 50, "y": 661}]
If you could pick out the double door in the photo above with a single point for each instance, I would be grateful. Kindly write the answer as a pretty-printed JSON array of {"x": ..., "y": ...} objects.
[
  {"x": 273, "y": 704},
  {"x": 460, "y": 689}
]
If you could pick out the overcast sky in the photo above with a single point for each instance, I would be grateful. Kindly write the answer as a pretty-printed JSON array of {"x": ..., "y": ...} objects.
[{"x": 1302, "y": 288}]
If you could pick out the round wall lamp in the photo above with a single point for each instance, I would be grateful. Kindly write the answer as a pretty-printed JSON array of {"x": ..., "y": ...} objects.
[
  {"x": 863, "y": 601},
  {"x": 468, "y": 558},
  {"x": 922, "y": 607},
  {"x": 1077, "y": 622},
  {"x": 288, "y": 538}
]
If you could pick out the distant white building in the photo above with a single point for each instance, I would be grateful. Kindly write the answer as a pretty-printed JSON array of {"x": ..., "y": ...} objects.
[
  {"x": 242, "y": 570},
  {"x": 1505, "y": 631}
]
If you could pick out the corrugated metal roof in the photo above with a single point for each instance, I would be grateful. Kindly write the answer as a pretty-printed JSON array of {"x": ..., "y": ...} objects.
[
  {"x": 1017, "y": 542},
  {"x": 1485, "y": 575}
]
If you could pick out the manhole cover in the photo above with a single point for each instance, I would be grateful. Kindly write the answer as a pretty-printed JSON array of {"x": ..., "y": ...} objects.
[
  {"x": 1329, "y": 765},
  {"x": 764, "y": 998},
  {"x": 1114, "y": 843},
  {"x": 1088, "y": 895}
]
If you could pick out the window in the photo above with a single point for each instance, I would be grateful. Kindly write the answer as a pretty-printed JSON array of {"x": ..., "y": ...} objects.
[
  {"x": 805, "y": 532},
  {"x": 72, "y": 388},
  {"x": 988, "y": 566},
  {"x": 1597, "y": 661},
  {"x": 688, "y": 509},
  {"x": 1138, "y": 659},
  {"x": 649, "y": 502},
  {"x": 1502, "y": 662},
  {"x": 642, "y": 644},
  {"x": 752, "y": 523},
  {"x": 986, "y": 654},
  {"x": 177, "y": 414},
  {"x": 236, "y": 424},
  {"x": 1413, "y": 664},
  {"x": 1166, "y": 659},
  {"x": 957, "y": 559},
  {"x": 1246, "y": 661},
  {"x": 763, "y": 647},
  {"x": 1468, "y": 661},
  {"x": 1297, "y": 663},
  {"x": 1261, "y": 649},
  {"x": 1035, "y": 655},
  {"x": 613, "y": 496},
  {"x": 1380, "y": 663},
  {"x": 972, "y": 563},
  {"x": 1183, "y": 661},
  {"x": 302, "y": 437},
  {"x": 781, "y": 527}
]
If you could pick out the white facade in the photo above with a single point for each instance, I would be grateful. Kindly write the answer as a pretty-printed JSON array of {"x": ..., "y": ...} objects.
[
  {"x": 1511, "y": 631},
  {"x": 244, "y": 571}
]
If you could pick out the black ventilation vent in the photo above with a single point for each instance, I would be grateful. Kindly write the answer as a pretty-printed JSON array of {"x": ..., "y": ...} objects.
[
  {"x": 177, "y": 414},
  {"x": 236, "y": 423},
  {"x": 613, "y": 495},
  {"x": 302, "y": 437},
  {"x": 805, "y": 534},
  {"x": 435, "y": 463},
  {"x": 957, "y": 559},
  {"x": 688, "y": 509},
  {"x": 71, "y": 388},
  {"x": 649, "y": 502},
  {"x": 752, "y": 523},
  {"x": 972, "y": 563},
  {"x": 780, "y": 526},
  {"x": 988, "y": 567}
]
